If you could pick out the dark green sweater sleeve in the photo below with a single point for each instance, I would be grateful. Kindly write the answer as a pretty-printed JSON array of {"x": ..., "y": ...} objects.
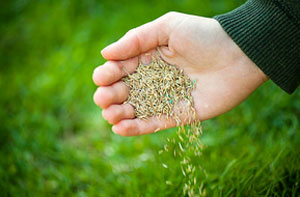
[{"x": 268, "y": 31}]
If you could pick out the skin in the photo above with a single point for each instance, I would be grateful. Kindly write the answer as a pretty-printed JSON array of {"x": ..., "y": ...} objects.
[{"x": 225, "y": 75}]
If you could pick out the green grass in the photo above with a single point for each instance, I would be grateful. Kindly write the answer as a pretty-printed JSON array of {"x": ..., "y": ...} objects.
[{"x": 53, "y": 140}]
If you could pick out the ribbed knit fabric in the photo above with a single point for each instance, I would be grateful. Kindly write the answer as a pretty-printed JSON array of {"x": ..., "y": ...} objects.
[{"x": 269, "y": 34}]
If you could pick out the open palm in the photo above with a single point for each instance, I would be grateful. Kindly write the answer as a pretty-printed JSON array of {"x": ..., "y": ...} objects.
[{"x": 225, "y": 75}]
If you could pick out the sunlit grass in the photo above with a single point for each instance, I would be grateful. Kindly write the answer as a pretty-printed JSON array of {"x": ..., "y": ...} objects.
[{"x": 54, "y": 142}]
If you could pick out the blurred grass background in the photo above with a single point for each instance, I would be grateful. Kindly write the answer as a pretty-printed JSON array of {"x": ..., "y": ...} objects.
[{"x": 53, "y": 140}]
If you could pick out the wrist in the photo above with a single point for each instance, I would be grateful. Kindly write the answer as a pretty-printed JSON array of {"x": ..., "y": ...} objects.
[{"x": 234, "y": 56}]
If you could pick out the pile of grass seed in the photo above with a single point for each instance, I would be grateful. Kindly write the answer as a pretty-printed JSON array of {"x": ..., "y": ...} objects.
[
  {"x": 155, "y": 89},
  {"x": 158, "y": 89}
]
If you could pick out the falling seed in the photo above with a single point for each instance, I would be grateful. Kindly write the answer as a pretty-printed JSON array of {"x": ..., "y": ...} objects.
[
  {"x": 166, "y": 147},
  {"x": 181, "y": 139},
  {"x": 156, "y": 130},
  {"x": 183, "y": 172},
  {"x": 180, "y": 146},
  {"x": 156, "y": 90}
]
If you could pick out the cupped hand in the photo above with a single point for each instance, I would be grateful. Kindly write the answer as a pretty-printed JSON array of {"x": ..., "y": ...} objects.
[{"x": 225, "y": 75}]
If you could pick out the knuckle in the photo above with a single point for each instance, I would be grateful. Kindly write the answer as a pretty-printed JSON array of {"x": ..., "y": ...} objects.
[
  {"x": 128, "y": 109},
  {"x": 131, "y": 31},
  {"x": 114, "y": 114},
  {"x": 108, "y": 75},
  {"x": 114, "y": 70},
  {"x": 121, "y": 91},
  {"x": 117, "y": 111},
  {"x": 166, "y": 19},
  {"x": 171, "y": 14},
  {"x": 126, "y": 128}
]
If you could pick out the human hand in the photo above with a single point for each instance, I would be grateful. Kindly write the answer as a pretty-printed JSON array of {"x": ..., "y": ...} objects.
[{"x": 225, "y": 75}]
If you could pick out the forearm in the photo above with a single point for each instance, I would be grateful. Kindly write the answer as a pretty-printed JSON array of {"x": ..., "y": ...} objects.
[{"x": 269, "y": 34}]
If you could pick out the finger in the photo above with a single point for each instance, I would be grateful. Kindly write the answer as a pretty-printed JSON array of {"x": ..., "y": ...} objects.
[
  {"x": 113, "y": 71},
  {"x": 108, "y": 95},
  {"x": 134, "y": 127},
  {"x": 115, "y": 113},
  {"x": 140, "y": 39}
]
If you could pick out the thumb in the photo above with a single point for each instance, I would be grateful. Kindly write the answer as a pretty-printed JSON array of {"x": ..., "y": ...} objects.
[{"x": 139, "y": 40}]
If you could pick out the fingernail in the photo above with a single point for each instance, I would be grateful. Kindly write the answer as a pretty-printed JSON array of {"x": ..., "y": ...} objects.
[
  {"x": 108, "y": 46},
  {"x": 103, "y": 50},
  {"x": 96, "y": 69},
  {"x": 113, "y": 129},
  {"x": 146, "y": 58}
]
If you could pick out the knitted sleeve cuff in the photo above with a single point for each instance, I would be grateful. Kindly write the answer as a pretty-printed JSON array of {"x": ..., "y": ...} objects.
[{"x": 270, "y": 37}]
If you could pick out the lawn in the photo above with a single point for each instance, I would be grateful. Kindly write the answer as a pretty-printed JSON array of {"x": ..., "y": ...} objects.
[{"x": 54, "y": 142}]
